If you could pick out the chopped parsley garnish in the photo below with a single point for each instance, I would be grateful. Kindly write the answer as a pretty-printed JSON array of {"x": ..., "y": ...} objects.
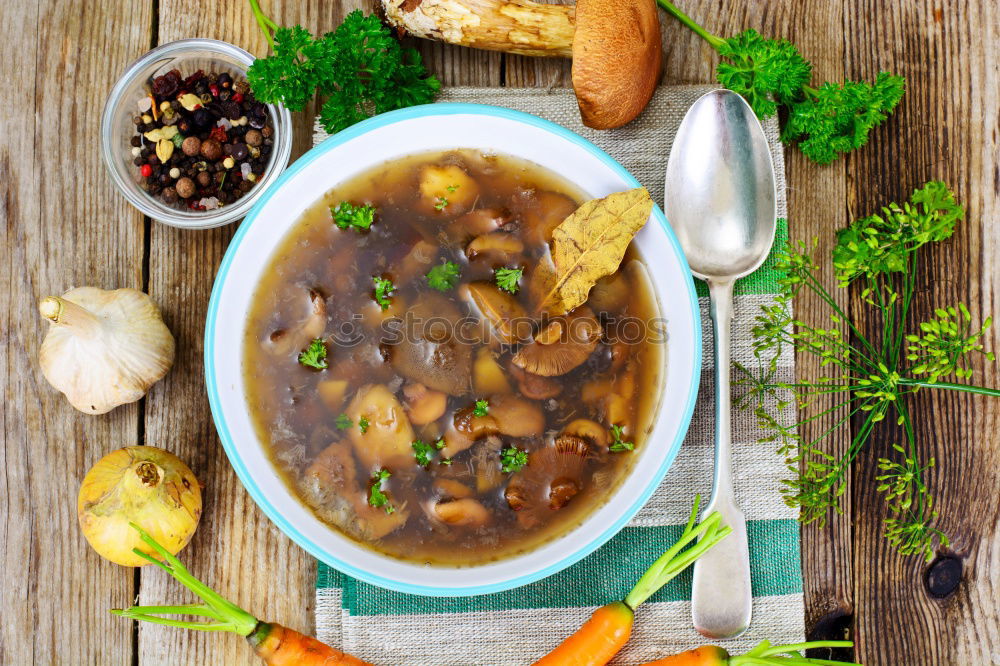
[
  {"x": 314, "y": 356},
  {"x": 507, "y": 279},
  {"x": 452, "y": 188},
  {"x": 363, "y": 424},
  {"x": 423, "y": 452},
  {"x": 384, "y": 289},
  {"x": 376, "y": 497},
  {"x": 482, "y": 408},
  {"x": 441, "y": 204},
  {"x": 348, "y": 216},
  {"x": 619, "y": 445},
  {"x": 444, "y": 276},
  {"x": 343, "y": 422},
  {"x": 513, "y": 459},
  {"x": 446, "y": 461}
]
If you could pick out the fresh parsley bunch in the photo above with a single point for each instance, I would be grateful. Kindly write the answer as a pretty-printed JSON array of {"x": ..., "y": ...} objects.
[
  {"x": 359, "y": 69},
  {"x": 825, "y": 122},
  {"x": 871, "y": 375}
]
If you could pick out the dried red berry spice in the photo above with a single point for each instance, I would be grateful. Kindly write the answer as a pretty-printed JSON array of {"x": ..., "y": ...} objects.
[
  {"x": 219, "y": 134},
  {"x": 214, "y": 89},
  {"x": 193, "y": 79},
  {"x": 238, "y": 98},
  {"x": 146, "y": 171}
]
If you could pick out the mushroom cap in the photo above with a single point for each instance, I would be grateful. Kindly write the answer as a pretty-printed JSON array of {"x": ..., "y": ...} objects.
[
  {"x": 431, "y": 351},
  {"x": 553, "y": 476},
  {"x": 330, "y": 485},
  {"x": 561, "y": 346},
  {"x": 616, "y": 59}
]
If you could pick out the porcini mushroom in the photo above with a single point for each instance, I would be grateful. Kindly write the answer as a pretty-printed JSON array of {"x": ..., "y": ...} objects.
[{"x": 615, "y": 44}]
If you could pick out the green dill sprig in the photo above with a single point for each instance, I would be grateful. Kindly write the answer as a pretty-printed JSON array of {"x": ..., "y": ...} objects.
[
  {"x": 825, "y": 121},
  {"x": 870, "y": 376},
  {"x": 359, "y": 70}
]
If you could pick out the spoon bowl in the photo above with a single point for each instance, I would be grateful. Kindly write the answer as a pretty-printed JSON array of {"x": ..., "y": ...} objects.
[
  {"x": 721, "y": 195},
  {"x": 720, "y": 198}
]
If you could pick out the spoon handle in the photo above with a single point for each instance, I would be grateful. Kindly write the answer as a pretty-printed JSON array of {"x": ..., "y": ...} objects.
[{"x": 721, "y": 596}]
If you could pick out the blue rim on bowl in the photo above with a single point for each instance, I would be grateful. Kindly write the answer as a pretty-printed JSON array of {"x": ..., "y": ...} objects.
[{"x": 213, "y": 388}]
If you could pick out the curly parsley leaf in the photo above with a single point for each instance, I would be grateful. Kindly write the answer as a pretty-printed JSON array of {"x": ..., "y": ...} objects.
[
  {"x": 360, "y": 69},
  {"x": 836, "y": 119},
  {"x": 482, "y": 408},
  {"x": 384, "y": 288},
  {"x": 508, "y": 278},
  {"x": 348, "y": 216},
  {"x": 343, "y": 422},
  {"x": 618, "y": 445},
  {"x": 443, "y": 276},
  {"x": 314, "y": 356},
  {"x": 513, "y": 459},
  {"x": 771, "y": 74},
  {"x": 363, "y": 424},
  {"x": 376, "y": 496},
  {"x": 763, "y": 70}
]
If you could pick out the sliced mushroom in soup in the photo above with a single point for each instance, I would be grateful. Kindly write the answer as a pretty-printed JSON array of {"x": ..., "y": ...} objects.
[{"x": 406, "y": 388}]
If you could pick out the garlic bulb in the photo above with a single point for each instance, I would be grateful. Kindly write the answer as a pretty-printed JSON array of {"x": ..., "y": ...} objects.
[{"x": 104, "y": 348}]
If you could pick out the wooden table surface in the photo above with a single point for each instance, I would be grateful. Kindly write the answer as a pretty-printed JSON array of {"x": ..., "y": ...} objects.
[{"x": 64, "y": 225}]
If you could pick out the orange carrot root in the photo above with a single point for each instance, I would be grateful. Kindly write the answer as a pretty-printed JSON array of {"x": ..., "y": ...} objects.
[
  {"x": 706, "y": 655},
  {"x": 281, "y": 646},
  {"x": 597, "y": 641}
]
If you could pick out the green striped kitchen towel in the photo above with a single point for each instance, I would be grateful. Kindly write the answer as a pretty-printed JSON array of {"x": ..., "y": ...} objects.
[{"x": 518, "y": 626}]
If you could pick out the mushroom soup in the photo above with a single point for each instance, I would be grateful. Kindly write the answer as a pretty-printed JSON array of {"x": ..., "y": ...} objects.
[{"x": 407, "y": 389}]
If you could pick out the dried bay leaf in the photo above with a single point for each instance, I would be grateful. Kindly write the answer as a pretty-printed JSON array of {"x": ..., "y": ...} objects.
[{"x": 586, "y": 246}]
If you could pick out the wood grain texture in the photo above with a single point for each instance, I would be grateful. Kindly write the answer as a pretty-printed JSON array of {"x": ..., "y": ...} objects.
[
  {"x": 63, "y": 225},
  {"x": 814, "y": 193},
  {"x": 237, "y": 550},
  {"x": 946, "y": 128}
]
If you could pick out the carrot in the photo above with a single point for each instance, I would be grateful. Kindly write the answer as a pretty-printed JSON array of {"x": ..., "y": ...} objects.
[
  {"x": 597, "y": 641},
  {"x": 275, "y": 644},
  {"x": 609, "y": 627},
  {"x": 763, "y": 654},
  {"x": 706, "y": 655},
  {"x": 281, "y": 646}
]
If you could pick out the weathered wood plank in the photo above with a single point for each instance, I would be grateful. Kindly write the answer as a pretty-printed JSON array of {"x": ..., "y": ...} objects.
[
  {"x": 815, "y": 211},
  {"x": 63, "y": 225},
  {"x": 946, "y": 128},
  {"x": 237, "y": 549}
]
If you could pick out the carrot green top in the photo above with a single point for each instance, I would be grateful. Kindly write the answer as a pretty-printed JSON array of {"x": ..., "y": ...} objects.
[{"x": 223, "y": 615}]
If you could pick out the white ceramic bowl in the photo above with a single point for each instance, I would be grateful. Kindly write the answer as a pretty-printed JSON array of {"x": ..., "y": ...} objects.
[{"x": 392, "y": 135}]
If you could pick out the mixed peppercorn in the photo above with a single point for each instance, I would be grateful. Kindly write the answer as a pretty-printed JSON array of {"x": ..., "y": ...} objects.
[{"x": 202, "y": 141}]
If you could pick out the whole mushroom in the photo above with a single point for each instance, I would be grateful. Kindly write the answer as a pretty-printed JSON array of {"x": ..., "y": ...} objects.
[{"x": 615, "y": 44}]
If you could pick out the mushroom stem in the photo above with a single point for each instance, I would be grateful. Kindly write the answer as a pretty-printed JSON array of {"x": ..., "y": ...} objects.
[
  {"x": 513, "y": 26},
  {"x": 67, "y": 313}
]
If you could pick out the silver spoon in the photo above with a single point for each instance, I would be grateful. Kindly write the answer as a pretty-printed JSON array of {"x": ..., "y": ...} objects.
[{"x": 721, "y": 202}]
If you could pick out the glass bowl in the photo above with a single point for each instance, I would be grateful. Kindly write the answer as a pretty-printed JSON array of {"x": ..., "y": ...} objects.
[{"x": 117, "y": 129}]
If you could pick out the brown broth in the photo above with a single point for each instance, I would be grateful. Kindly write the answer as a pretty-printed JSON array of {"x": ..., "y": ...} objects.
[{"x": 295, "y": 408}]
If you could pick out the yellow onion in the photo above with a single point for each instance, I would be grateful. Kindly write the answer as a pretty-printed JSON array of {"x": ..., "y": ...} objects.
[{"x": 144, "y": 485}]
